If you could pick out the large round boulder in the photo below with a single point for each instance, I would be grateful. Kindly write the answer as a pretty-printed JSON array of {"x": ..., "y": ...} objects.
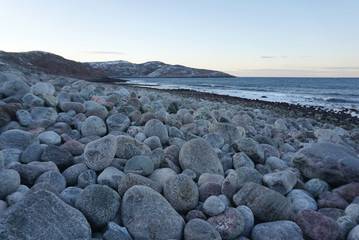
[{"x": 155, "y": 127}]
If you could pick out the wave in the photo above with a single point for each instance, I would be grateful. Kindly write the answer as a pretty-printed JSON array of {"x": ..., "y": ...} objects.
[{"x": 341, "y": 100}]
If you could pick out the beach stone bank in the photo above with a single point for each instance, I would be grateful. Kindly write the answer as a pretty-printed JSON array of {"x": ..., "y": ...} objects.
[{"x": 86, "y": 160}]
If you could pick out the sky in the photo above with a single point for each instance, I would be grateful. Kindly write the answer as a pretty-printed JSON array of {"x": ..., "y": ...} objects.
[{"x": 262, "y": 38}]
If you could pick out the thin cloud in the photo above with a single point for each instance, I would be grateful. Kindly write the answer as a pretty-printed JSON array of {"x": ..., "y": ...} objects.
[{"x": 102, "y": 52}]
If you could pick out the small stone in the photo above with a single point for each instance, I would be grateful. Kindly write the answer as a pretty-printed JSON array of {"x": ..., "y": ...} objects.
[
  {"x": 316, "y": 186},
  {"x": 331, "y": 200},
  {"x": 228, "y": 131},
  {"x": 216, "y": 140},
  {"x": 354, "y": 233},
  {"x": 301, "y": 200},
  {"x": 100, "y": 153},
  {"x": 210, "y": 177},
  {"x": 280, "y": 181},
  {"x": 10, "y": 181},
  {"x": 28, "y": 173},
  {"x": 42, "y": 88},
  {"x": 352, "y": 210},
  {"x": 200, "y": 229},
  {"x": 115, "y": 232},
  {"x": 24, "y": 117},
  {"x": 15, "y": 87},
  {"x": 333, "y": 213},
  {"x": 251, "y": 148},
  {"x": 147, "y": 215},
  {"x": 111, "y": 177},
  {"x": 231, "y": 184},
  {"x": 49, "y": 138},
  {"x": 213, "y": 206},
  {"x": 277, "y": 230},
  {"x": 32, "y": 153},
  {"x": 153, "y": 142},
  {"x": 248, "y": 217},
  {"x": 93, "y": 125},
  {"x": 69, "y": 195},
  {"x": 99, "y": 204},
  {"x": 128, "y": 147},
  {"x": 30, "y": 101},
  {"x": 10, "y": 156},
  {"x": 155, "y": 127},
  {"x": 14, "y": 198},
  {"x": 229, "y": 224},
  {"x": 275, "y": 163},
  {"x": 44, "y": 114},
  {"x": 209, "y": 189},
  {"x": 74, "y": 147},
  {"x": 132, "y": 179},
  {"x": 161, "y": 175},
  {"x": 17, "y": 139},
  {"x": 316, "y": 226},
  {"x": 193, "y": 214},
  {"x": 73, "y": 106},
  {"x": 181, "y": 192},
  {"x": 86, "y": 178},
  {"x": 246, "y": 175},
  {"x": 348, "y": 191},
  {"x": 72, "y": 173}
]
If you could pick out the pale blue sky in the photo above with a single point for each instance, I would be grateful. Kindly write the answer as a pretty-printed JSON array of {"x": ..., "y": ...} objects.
[{"x": 244, "y": 38}]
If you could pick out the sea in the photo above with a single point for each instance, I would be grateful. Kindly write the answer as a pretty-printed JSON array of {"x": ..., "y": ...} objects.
[{"x": 338, "y": 94}]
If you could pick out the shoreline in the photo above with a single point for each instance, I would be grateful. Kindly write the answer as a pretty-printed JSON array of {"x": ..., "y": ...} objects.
[{"x": 340, "y": 118}]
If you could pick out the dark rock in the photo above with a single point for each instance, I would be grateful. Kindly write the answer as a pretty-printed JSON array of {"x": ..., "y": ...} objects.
[
  {"x": 69, "y": 195},
  {"x": 316, "y": 226},
  {"x": 193, "y": 214},
  {"x": 280, "y": 181},
  {"x": 115, "y": 232},
  {"x": 251, "y": 148},
  {"x": 348, "y": 191},
  {"x": 132, "y": 179},
  {"x": 231, "y": 185},
  {"x": 200, "y": 229},
  {"x": 242, "y": 160},
  {"x": 331, "y": 200},
  {"x": 316, "y": 186},
  {"x": 277, "y": 230},
  {"x": 100, "y": 153},
  {"x": 10, "y": 156},
  {"x": 72, "y": 173},
  {"x": 266, "y": 204},
  {"x": 32, "y": 153},
  {"x": 181, "y": 192},
  {"x": 301, "y": 200},
  {"x": 229, "y": 224},
  {"x": 17, "y": 139},
  {"x": 146, "y": 214},
  {"x": 334, "y": 163},
  {"x": 246, "y": 174},
  {"x": 346, "y": 224},
  {"x": 248, "y": 217},
  {"x": 53, "y": 178},
  {"x": 140, "y": 165},
  {"x": 10, "y": 181},
  {"x": 209, "y": 189},
  {"x": 46, "y": 217},
  {"x": 74, "y": 147},
  {"x": 28, "y": 174},
  {"x": 333, "y": 213},
  {"x": 199, "y": 156},
  {"x": 99, "y": 204},
  {"x": 62, "y": 158},
  {"x": 128, "y": 147}
]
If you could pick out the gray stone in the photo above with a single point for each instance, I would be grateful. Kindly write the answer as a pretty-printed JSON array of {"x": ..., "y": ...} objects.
[
  {"x": 280, "y": 125},
  {"x": 69, "y": 195},
  {"x": 99, "y": 204},
  {"x": 17, "y": 139},
  {"x": 24, "y": 117},
  {"x": 42, "y": 88},
  {"x": 216, "y": 140},
  {"x": 146, "y": 214},
  {"x": 153, "y": 142},
  {"x": 30, "y": 100},
  {"x": 161, "y": 175},
  {"x": 229, "y": 224},
  {"x": 139, "y": 164},
  {"x": 86, "y": 178},
  {"x": 280, "y": 181},
  {"x": 354, "y": 233},
  {"x": 228, "y": 131},
  {"x": 301, "y": 200},
  {"x": 331, "y": 200},
  {"x": 210, "y": 177},
  {"x": 316, "y": 186},
  {"x": 132, "y": 179},
  {"x": 118, "y": 122},
  {"x": 246, "y": 175},
  {"x": 73, "y": 106},
  {"x": 231, "y": 184},
  {"x": 45, "y": 166},
  {"x": 346, "y": 224},
  {"x": 10, "y": 156},
  {"x": 251, "y": 148},
  {"x": 53, "y": 178},
  {"x": 280, "y": 230},
  {"x": 3, "y": 206},
  {"x": 15, "y": 87},
  {"x": 181, "y": 192},
  {"x": 87, "y": 92},
  {"x": 266, "y": 204},
  {"x": 242, "y": 160},
  {"x": 14, "y": 198},
  {"x": 62, "y": 158},
  {"x": 10, "y": 181},
  {"x": 331, "y": 162},
  {"x": 72, "y": 173},
  {"x": 111, "y": 177},
  {"x": 352, "y": 210},
  {"x": 199, "y": 156},
  {"x": 155, "y": 127},
  {"x": 28, "y": 173},
  {"x": 100, "y": 153},
  {"x": 128, "y": 147},
  {"x": 46, "y": 217},
  {"x": 213, "y": 206},
  {"x": 49, "y": 138},
  {"x": 275, "y": 163},
  {"x": 209, "y": 189},
  {"x": 247, "y": 214},
  {"x": 115, "y": 232},
  {"x": 200, "y": 229},
  {"x": 32, "y": 153},
  {"x": 93, "y": 125},
  {"x": 45, "y": 114}
]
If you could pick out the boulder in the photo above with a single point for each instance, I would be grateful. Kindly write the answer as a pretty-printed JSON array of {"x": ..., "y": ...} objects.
[
  {"x": 266, "y": 204},
  {"x": 277, "y": 230},
  {"x": 43, "y": 215},
  {"x": 17, "y": 139},
  {"x": 100, "y": 153},
  {"x": 118, "y": 122},
  {"x": 155, "y": 127},
  {"x": 147, "y": 215},
  {"x": 199, "y": 156},
  {"x": 331, "y": 162},
  {"x": 99, "y": 204}
]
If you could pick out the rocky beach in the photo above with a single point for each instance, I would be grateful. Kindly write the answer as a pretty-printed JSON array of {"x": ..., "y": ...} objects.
[{"x": 96, "y": 160}]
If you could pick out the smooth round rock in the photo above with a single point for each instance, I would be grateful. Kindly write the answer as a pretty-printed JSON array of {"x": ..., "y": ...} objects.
[
  {"x": 155, "y": 127},
  {"x": 231, "y": 184},
  {"x": 140, "y": 165},
  {"x": 181, "y": 192},
  {"x": 118, "y": 122},
  {"x": 93, "y": 125},
  {"x": 229, "y": 224},
  {"x": 242, "y": 160},
  {"x": 17, "y": 139},
  {"x": 216, "y": 140},
  {"x": 346, "y": 224},
  {"x": 316, "y": 186},
  {"x": 348, "y": 191},
  {"x": 354, "y": 233},
  {"x": 352, "y": 210},
  {"x": 24, "y": 117},
  {"x": 49, "y": 138},
  {"x": 228, "y": 131},
  {"x": 14, "y": 198},
  {"x": 115, "y": 232},
  {"x": 213, "y": 206},
  {"x": 277, "y": 230},
  {"x": 132, "y": 179},
  {"x": 15, "y": 87},
  {"x": 153, "y": 142},
  {"x": 42, "y": 88},
  {"x": 32, "y": 153},
  {"x": 99, "y": 204},
  {"x": 44, "y": 113},
  {"x": 199, "y": 156},
  {"x": 147, "y": 215},
  {"x": 200, "y": 229},
  {"x": 86, "y": 178},
  {"x": 301, "y": 200},
  {"x": 100, "y": 153},
  {"x": 161, "y": 175},
  {"x": 10, "y": 181},
  {"x": 247, "y": 214},
  {"x": 62, "y": 158}
]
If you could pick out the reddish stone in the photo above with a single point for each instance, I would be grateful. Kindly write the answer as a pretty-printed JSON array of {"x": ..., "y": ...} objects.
[
  {"x": 135, "y": 116},
  {"x": 134, "y": 102},
  {"x": 209, "y": 189},
  {"x": 11, "y": 109},
  {"x": 333, "y": 213},
  {"x": 348, "y": 191},
  {"x": 317, "y": 226},
  {"x": 331, "y": 200},
  {"x": 74, "y": 147},
  {"x": 37, "y": 131},
  {"x": 229, "y": 224},
  {"x": 103, "y": 102}
]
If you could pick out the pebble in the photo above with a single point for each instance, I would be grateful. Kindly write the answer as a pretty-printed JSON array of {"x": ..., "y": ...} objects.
[
  {"x": 354, "y": 233},
  {"x": 242, "y": 160},
  {"x": 115, "y": 232},
  {"x": 352, "y": 210},
  {"x": 24, "y": 117},
  {"x": 32, "y": 153},
  {"x": 62, "y": 158},
  {"x": 229, "y": 132},
  {"x": 14, "y": 198},
  {"x": 248, "y": 217},
  {"x": 231, "y": 185},
  {"x": 161, "y": 175},
  {"x": 49, "y": 138},
  {"x": 118, "y": 122},
  {"x": 348, "y": 191},
  {"x": 213, "y": 206},
  {"x": 86, "y": 178},
  {"x": 210, "y": 177},
  {"x": 10, "y": 181},
  {"x": 346, "y": 224},
  {"x": 72, "y": 173},
  {"x": 28, "y": 173},
  {"x": 132, "y": 179}
]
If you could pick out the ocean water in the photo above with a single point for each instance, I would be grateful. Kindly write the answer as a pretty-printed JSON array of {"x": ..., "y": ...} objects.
[{"x": 330, "y": 93}]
